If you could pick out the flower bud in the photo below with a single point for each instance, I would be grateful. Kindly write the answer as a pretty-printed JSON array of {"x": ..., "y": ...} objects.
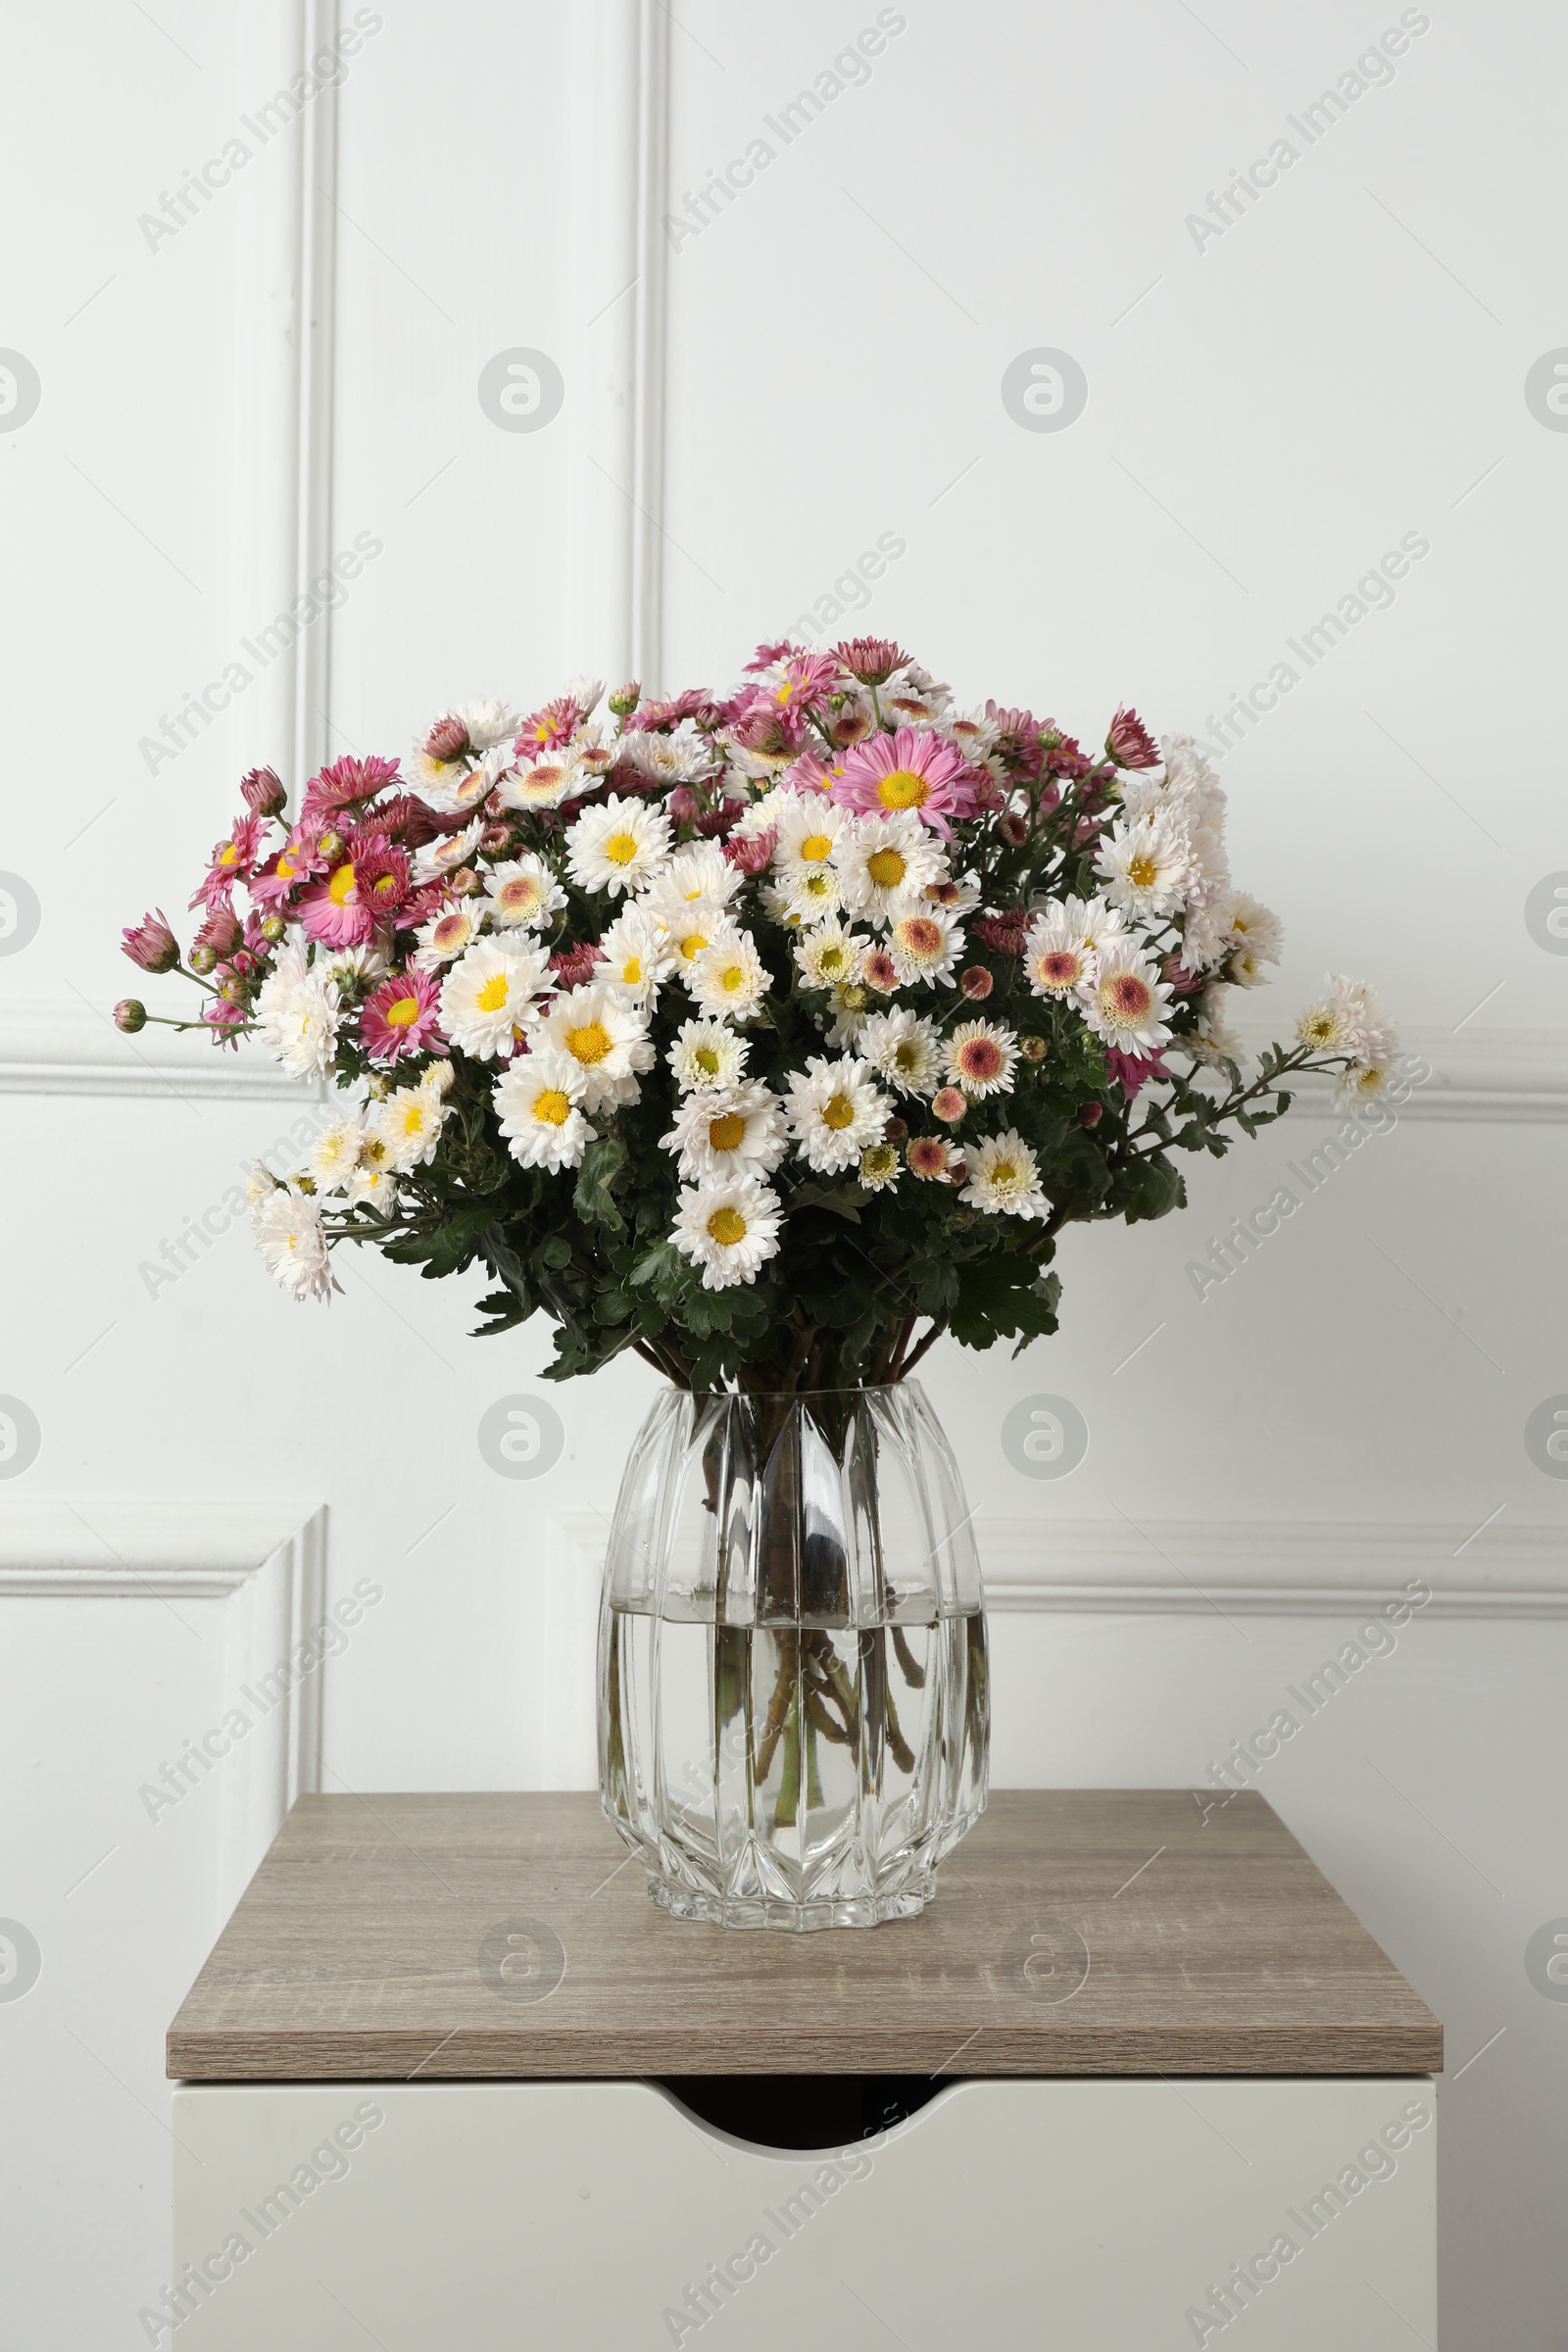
[
  {"x": 273, "y": 927},
  {"x": 1015, "y": 830},
  {"x": 976, "y": 983},
  {"x": 465, "y": 882},
  {"x": 1090, "y": 1114},
  {"x": 263, "y": 792},
  {"x": 895, "y": 1131},
  {"x": 496, "y": 837},
  {"x": 948, "y": 1105},
  {"x": 625, "y": 699},
  {"x": 130, "y": 1015},
  {"x": 1033, "y": 1048},
  {"x": 235, "y": 990},
  {"x": 330, "y": 845},
  {"x": 203, "y": 959},
  {"x": 152, "y": 944}
]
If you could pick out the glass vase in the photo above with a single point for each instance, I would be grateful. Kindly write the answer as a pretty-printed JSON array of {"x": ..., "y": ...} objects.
[{"x": 793, "y": 1710}]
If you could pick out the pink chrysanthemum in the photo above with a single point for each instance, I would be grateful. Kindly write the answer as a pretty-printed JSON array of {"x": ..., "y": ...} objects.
[
  {"x": 782, "y": 650},
  {"x": 697, "y": 703},
  {"x": 234, "y": 860},
  {"x": 1129, "y": 741},
  {"x": 547, "y": 730},
  {"x": 809, "y": 775},
  {"x": 226, "y": 1020},
  {"x": 298, "y": 861},
  {"x": 913, "y": 768},
  {"x": 334, "y": 912},
  {"x": 346, "y": 782},
  {"x": 403, "y": 1017},
  {"x": 930, "y": 1157},
  {"x": 807, "y": 681},
  {"x": 872, "y": 659},
  {"x": 152, "y": 944},
  {"x": 879, "y": 971},
  {"x": 380, "y": 874},
  {"x": 1133, "y": 1071}
]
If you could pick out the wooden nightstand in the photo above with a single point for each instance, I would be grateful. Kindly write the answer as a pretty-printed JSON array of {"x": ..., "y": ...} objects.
[{"x": 1138, "y": 2077}]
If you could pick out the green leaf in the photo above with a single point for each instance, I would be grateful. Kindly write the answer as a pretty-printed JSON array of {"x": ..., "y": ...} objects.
[{"x": 594, "y": 1198}]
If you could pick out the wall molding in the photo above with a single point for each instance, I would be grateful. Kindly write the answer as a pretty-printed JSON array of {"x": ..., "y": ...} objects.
[
  {"x": 265, "y": 1562},
  {"x": 616, "y": 373},
  {"x": 1203, "y": 1568},
  {"x": 51, "y": 1046},
  {"x": 1518, "y": 1076}
]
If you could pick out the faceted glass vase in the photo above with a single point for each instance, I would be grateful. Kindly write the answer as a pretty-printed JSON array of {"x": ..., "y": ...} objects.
[{"x": 793, "y": 1705}]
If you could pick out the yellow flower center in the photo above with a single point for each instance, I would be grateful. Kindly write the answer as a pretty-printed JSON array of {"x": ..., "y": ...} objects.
[
  {"x": 413, "y": 1118},
  {"x": 403, "y": 1013},
  {"x": 707, "y": 1062},
  {"x": 552, "y": 1108},
  {"x": 887, "y": 868},
  {"x": 901, "y": 788},
  {"x": 228, "y": 855},
  {"x": 342, "y": 882},
  {"x": 691, "y": 946},
  {"x": 815, "y": 847},
  {"x": 726, "y": 1226},
  {"x": 831, "y": 959},
  {"x": 286, "y": 867},
  {"x": 726, "y": 1134},
  {"x": 1142, "y": 871},
  {"x": 1004, "y": 1172},
  {"x": 621, "y": 848},
  {"x": 590, "y": 1042},
  {"x": 906, "y": 1058},
  {"x": 733, "y": 978},
  {"x": 492, "y": 996},
  {"x": 838, "y": 1112},
  {"x": 632, "y": 971}
]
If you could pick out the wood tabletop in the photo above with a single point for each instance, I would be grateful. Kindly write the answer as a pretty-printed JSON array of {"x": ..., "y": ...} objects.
[{"x": 1075, "y": 1931}]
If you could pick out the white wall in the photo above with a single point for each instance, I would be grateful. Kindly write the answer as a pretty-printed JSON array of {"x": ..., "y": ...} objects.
[{"x": 745, "y": 411}]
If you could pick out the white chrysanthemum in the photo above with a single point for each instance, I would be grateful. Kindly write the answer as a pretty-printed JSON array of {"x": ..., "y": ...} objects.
[
  {"x": 1055, "y": 961},
  {"x": 637, "y": 954},
  {"x": 336, "y": 1155},
  {"x": 912, "y": 698},
  {"x": 719, "y": 1130},
  {"x": 981, "y": 1058},
  {"x": 705, "y": 1055},
  {"x": 975, "y": 735},
  {"x": 408, "y": 1125},
  {"x": 444, "y": 856},
  {"x": 489, "y": 996},
  {"x": 887, "y": 862},
  {"x": 618, "y": 846},
  {"x": 446, "y": 935},
  {"x": 811, "y": 830},
  {"x": 689, "y": 930},
  {"x": 763, "y": 813},
  {"x": 906, "y": 1048},
  {"x": 880, "y": 1166},
  {"x": 353, "y": 967},
  {"x": 297, "y": 1013},
  {"x": 375, "y": 1181},
  {"x": 287, "y": 1226},
  {"x": 1255, "y": 934},
  {"x": 958, "y": 898},
  {"x": 728, "y": 1227},
  {"x": 730, "y": 978},
  {"x": 522, "y": 891},
  {"x": 849, "y": 1009},
  {"x": 698, "y": 874},
  {"x": 260, "y": 1186},
  {"x": 538, "y": 1100},
  {"x": 605, "y": 1036},
  {"x": 834, "y": 1110},
  {"x": 1126, "y": 1000},
  {"x": 1214, "y": 1041},
  {"x": 808, "y": 893},
  {"x": 584, "y": 692},
  {"x": 1004, "y": 1177},
  {"x": 449, "y": 785},
  {"x": 830, "y": 956},
  {"x": 1145, "y": 865},
  {"x": 681, "y": 757},
  {"x": 1350, "y": 1021},
  {"x": 549, "y": 781},
  {"x": 926, "y": 946},
  {"x": 1093, "y": 922}
]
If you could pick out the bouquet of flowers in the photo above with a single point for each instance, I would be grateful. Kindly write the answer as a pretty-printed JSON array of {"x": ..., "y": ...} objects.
[{"x": 769, "y": 1036}]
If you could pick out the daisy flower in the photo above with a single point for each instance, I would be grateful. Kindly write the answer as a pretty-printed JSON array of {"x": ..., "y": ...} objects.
[
  {"x": 880, "y": 1166},
  {"x": 538, "y": 1100},
  {"x": 409, "y": 1126},
  {"x": 636, "y": 954},
  {"x": 730, "y": 978},
  {"x": 403, "y": 1017},
  {"x": 336, "y": 912},
  {"x": 607, "y": 1038},
  {"x": 980, "y": 1056},
  {"x": 903, "y": 1048},
  {"x": 719, "y": 1131},
  {"x": 913, "y": 768},
  {"x": 808, "y": 830},
  {"x": 1254, "y": 932},
  {"x": 336, "y": 1155},
  {"x": 682, "y": 757},
  {"x": 1125, "y": 1003},
  {"x": 1351, "y": 1022},
  {"x": 446, "y": 935},
  {"x": 444, "y": 856},
  {"x": 522, "y": 891},
  {"x": 729, "y": 1227},
  {"x": 830, "y": 957},
  {"x": 810, "y": 895},
  {"x": 926, "y": 946},
  {"x": 933, "y": 1159},
  {"x": 1146, "y": 865},
  {"x": 834, "y": 1112},
  {"x": 620, "y": 846},
  {"x": 1003, "y": 1176},
  {"x": 1056, "y": 961},
  {"x": 548, "y": 780},
  {"x": 911, "y": 694},
  {"x": 699, "y": 873},
  {"x": 849, "y": 1007},
  {"x": 809, "y": 775},
  {"x": 287, "y": 1226},
  {"x": 375, "y": 1180},
  {"x": 880, "y": 971},
  {"x": 490, "y": 996},
  {"x": 886, "y": 861},
  {"x": 705, "y": 1055}
]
